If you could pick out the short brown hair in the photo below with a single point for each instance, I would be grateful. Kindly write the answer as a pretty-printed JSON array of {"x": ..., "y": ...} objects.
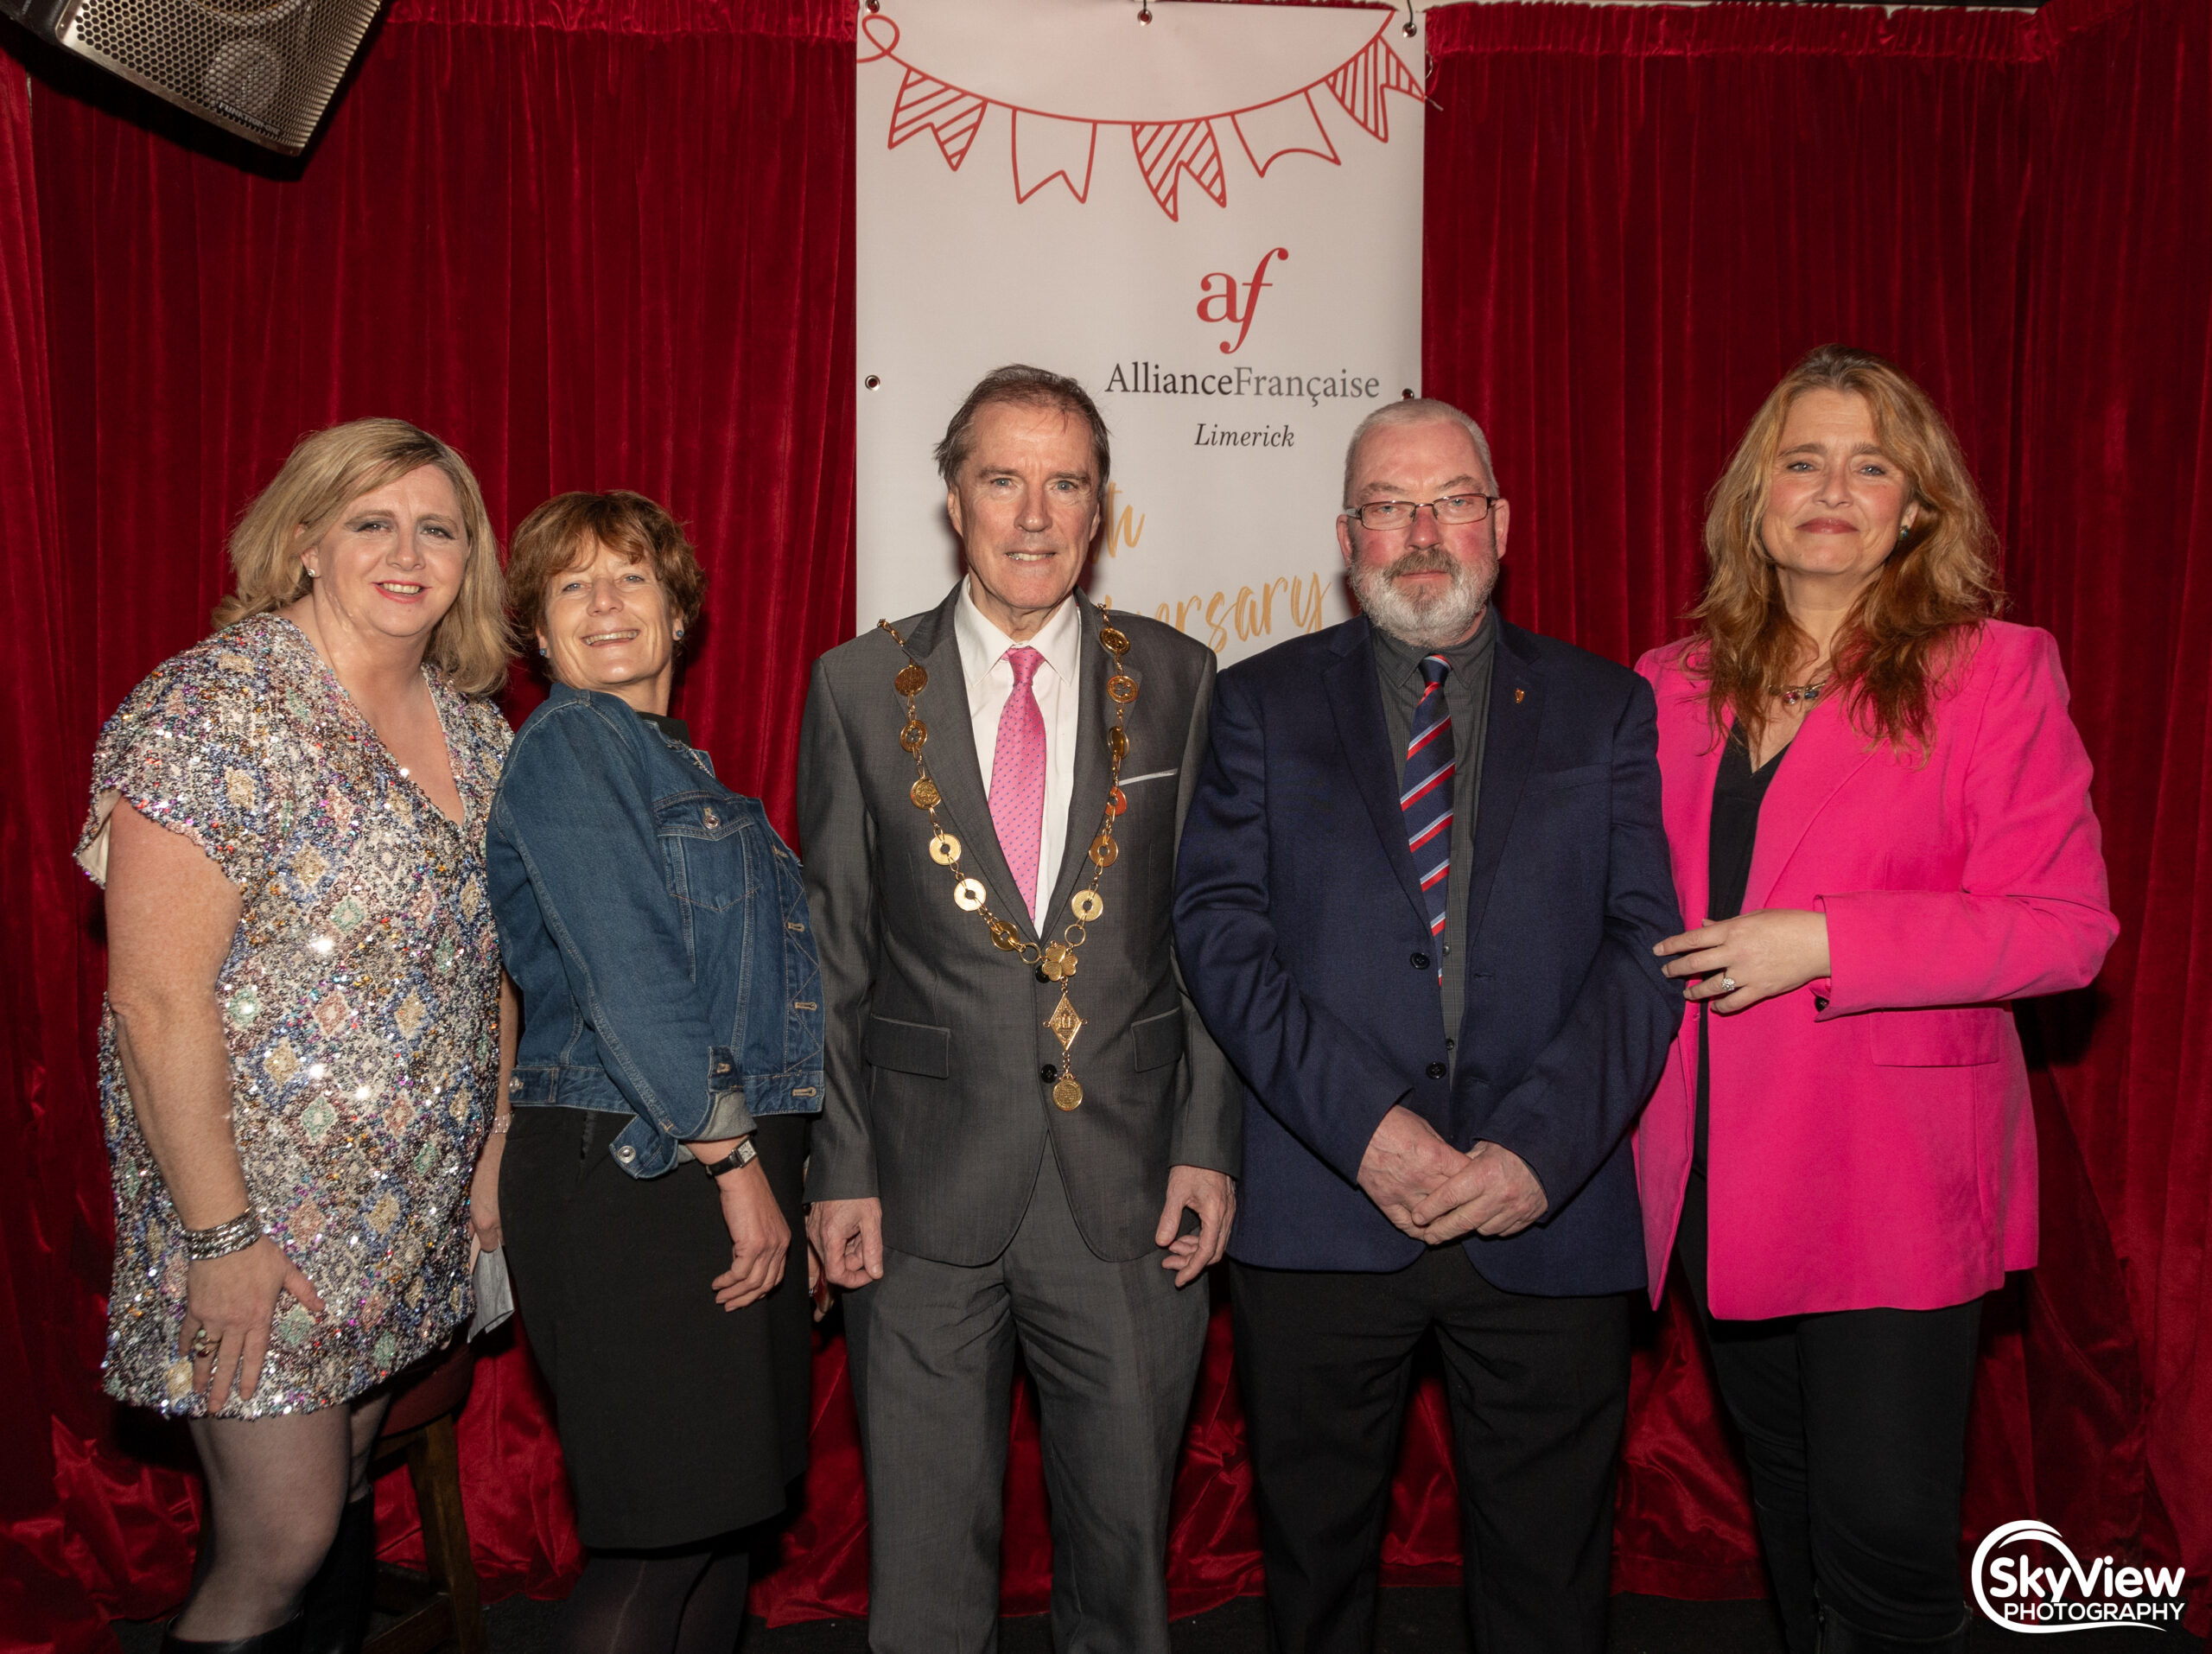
[
  {"x": 326, "y": 472},
  {"x": 550, "y": 541},
  {"x": 1022, "y": 386},
  {"x": 1906, "y": 631}
]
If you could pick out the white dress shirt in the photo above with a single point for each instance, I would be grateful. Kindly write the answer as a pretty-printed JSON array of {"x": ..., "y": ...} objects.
[{"x": 1059, "y": 689}]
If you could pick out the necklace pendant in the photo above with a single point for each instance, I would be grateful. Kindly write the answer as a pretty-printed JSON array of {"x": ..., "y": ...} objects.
[{"x": 1065, "y": 1022}]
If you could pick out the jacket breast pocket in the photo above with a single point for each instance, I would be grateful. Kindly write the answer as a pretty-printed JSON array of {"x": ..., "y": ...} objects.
[
  {"x": 1159, "y": 1040},
  {"x": 707, "y": 847},
  {"x": 1951, "y": 1036},
  {"x": 908, "y": 1047}
]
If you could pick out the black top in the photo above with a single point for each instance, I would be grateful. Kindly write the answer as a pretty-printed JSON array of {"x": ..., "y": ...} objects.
[
  {"x": 1737, "y": 792},
  {"x": 1467, "y": 699},
  {"x": 674, "y": 728}
]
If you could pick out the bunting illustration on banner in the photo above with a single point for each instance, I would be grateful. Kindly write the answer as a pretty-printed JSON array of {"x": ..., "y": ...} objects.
[{"x": 1061, "y": 145}]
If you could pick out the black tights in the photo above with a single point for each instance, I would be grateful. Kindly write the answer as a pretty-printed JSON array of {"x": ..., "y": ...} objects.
[
  {"x": 655, "y": 1601},
  {"x": 1854, "y": 1425},
  {"x": 276, "y": 1489}
]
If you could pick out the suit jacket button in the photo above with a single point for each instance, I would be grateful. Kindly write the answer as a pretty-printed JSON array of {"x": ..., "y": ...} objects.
[
  {"x": 1436, "y": 1071},
  {"x": 1049, "y": 1072},
  {"x": 1420, "y": 961}
]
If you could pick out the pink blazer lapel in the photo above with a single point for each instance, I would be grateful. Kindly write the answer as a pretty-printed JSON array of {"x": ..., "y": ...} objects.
[
  {"x": 1689, "y": 757},
  {"x": 1826, "y": 752}
]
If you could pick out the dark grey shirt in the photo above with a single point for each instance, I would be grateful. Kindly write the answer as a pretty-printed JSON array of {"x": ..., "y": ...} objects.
[{"x": 1467, "y": 697}]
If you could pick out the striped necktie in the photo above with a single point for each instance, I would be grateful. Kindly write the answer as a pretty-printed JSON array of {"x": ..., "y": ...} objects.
[{"x": 1425, "y": 797}]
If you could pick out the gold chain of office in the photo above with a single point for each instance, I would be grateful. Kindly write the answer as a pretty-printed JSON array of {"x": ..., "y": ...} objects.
[{"x": 1055, "y": 961}]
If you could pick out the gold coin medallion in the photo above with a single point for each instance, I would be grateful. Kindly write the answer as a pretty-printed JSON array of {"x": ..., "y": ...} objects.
[
  {"x": 967, "y": 896},
  {"x": 1123, "y": 688},
  {"x": 945, "y": 849},
  {"x": 1059, "y": 961},
  {"x": 1114, "y": 639},
  {"x": 1086, "y": 905},
  {"x": 1104, "y": 850},
  {"x": 913, "y": 734},
  {"x": 925, "y": 794},
  {"x": 1004, "y": 937},
  {"x": 1067, "y": 1096},
  {"x": 1118, "y": 802},
  {"x": 1117, "y": 743},
  {"x": 911, "y": 679}
]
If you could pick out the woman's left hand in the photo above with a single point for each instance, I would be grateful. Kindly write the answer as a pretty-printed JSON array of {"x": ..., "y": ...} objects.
[
  {"x": 484, "y": 1194},
  {"x": 1750, "y": 958}
]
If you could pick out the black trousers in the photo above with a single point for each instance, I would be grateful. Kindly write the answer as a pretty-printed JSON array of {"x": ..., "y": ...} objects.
[
  {"x": 1854, "y": 1425},
  {"x": 1538, "y": 1387}
]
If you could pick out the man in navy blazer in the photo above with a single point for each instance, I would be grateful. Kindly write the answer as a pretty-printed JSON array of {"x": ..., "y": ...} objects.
[{"x": 1417, "y": 893}]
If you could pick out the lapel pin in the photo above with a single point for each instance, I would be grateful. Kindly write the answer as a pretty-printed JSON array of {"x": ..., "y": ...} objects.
[{"x": 1520, "y": 695}]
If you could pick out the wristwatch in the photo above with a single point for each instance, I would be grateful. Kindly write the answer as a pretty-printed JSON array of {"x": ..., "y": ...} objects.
[{"x": 738, "y": 1158}]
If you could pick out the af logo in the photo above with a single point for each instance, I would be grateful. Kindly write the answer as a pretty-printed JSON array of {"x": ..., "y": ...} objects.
[{"x": 1222, "y": 303}]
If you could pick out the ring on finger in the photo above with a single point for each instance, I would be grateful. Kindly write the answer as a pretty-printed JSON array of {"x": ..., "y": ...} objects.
[
  {"x": 1727, "y": 984},
  {"x": 204, "y": 1343}
]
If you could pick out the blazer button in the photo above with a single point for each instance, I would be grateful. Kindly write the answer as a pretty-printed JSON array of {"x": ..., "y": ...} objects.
[
  {"x": 1049, "y": 1072},
  {"x": 1420, "y": 961},
  {"x": 1436, "y": 1071}
]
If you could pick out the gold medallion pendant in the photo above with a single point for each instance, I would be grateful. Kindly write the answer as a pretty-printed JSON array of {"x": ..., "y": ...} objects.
[
  {"x": 1054, "y": 962},
  {"x": 1064, "y": 1024}
]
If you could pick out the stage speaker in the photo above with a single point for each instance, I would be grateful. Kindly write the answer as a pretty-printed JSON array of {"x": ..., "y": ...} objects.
[{"x": 264, "y": 69}]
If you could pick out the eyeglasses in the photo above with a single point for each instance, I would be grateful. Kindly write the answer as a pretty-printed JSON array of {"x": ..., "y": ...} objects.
[{"x": 1388, "y": 516}]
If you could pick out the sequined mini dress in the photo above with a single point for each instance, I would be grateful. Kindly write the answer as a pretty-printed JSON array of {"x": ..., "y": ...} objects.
[{"x": 360, "y": 1003}]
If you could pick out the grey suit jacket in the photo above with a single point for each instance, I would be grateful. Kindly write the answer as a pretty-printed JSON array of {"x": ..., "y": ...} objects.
[{"x": 935, "y": 1041}]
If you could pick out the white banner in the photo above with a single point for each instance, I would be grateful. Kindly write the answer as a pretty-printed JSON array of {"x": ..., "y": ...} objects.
[{"x": 1212, "y": 219}]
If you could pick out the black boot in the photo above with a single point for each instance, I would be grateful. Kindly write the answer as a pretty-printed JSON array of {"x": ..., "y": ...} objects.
[
  {"x": 335, "y": 1609},
  {"x": 1839, "y": 1636},
  {"x": 284, "y": 1640}
]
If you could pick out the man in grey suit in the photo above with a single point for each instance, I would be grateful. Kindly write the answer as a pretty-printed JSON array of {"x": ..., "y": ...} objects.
[{"x": 1029, "y": 1139}]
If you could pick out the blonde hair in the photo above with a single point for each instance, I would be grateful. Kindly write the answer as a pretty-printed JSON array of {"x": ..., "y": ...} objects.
[
  {"x": 1908, "y": 628},
  {"x": 550, "y": 541},
  {"x": 327, "y": 472}
]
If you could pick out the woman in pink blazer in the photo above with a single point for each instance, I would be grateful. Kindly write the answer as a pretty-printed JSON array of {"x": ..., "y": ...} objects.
[{"x": 1878, "y": 810}]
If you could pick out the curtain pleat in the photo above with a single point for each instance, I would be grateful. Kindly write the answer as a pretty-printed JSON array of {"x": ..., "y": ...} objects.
[{"x": 602, "y": 243}]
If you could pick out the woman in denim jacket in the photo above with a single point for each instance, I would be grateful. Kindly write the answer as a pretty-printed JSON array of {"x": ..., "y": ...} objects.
[{"x": 656, "y": 931}]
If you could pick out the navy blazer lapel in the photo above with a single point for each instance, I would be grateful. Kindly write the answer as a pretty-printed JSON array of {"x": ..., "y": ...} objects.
[
  {"x": 962, "y": 805},
  {"x": 1087, "y": 798},
  {"x": 1365, "y": 732},
  {"x": 1516, "y": 715}
]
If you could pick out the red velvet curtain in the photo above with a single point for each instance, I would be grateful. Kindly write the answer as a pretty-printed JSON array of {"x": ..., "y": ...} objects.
[{"x": 610, "y": 244}]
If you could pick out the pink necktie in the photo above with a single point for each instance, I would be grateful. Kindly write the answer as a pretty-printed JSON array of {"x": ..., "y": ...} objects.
[{"x": 1018, "y": 776}]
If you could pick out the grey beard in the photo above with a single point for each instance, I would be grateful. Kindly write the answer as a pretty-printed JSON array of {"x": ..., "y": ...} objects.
[{"x": 1437, "y": 623}]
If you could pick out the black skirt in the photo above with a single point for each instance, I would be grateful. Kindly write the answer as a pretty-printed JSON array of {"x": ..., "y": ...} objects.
[{"x": 679, "y": 1420}]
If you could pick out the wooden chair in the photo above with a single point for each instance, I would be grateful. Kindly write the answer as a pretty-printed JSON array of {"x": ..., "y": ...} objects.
[{"x": 442, "y": 1608}]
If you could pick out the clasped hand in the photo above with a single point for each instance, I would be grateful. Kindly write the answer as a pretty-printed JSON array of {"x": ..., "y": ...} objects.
[
  {"x": 1435, "y": 1194},
  {"x": 1756, "y": 956}
]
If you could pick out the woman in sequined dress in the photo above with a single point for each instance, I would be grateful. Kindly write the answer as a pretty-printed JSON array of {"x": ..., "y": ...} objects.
[{"x": 302, "y": 1039}]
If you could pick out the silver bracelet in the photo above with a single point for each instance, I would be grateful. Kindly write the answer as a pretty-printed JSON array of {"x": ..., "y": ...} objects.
[{"x": 204, "y": 1245}]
